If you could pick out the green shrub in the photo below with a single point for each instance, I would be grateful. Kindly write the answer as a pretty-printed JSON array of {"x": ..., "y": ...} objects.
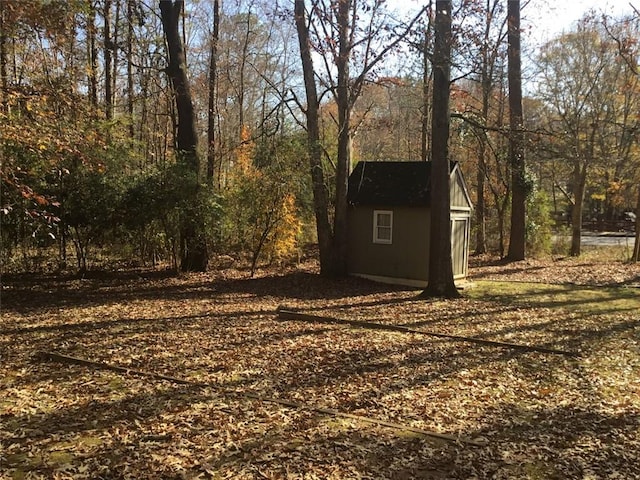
[{"x": 538, "y": 223}]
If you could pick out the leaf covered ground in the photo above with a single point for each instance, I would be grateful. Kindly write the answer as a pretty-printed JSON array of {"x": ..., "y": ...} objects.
[{"x": 538, "y": 415}]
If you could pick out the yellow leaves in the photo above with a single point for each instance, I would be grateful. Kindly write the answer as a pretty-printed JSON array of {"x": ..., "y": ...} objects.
[
  {"x": 615, "y": 190},
  {"x": 287, "y": 230},
  {"x": 244, "y": 154},
  {"x": 261, "y": 215},
  {"x": 614, "y": 187}
]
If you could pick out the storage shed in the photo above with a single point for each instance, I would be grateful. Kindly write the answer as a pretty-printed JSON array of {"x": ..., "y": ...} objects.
[{"x": 389, "y": 222}]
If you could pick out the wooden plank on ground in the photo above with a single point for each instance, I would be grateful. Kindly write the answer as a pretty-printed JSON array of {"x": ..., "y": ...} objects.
[
  {"x": 59, "y": 358},
  {"x": 286, "y": 314}
]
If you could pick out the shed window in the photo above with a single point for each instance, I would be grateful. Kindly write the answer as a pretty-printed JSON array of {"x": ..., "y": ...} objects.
[{"x": 382, "y": 226}]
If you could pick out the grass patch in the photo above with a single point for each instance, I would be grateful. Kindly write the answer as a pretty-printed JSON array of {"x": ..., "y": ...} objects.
[
  {"x": 573, "y": 298},
  {"x": 60, "y": 458}
]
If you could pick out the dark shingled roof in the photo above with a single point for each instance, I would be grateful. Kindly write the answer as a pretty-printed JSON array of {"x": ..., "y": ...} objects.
[{"x": 390, "y": 183}]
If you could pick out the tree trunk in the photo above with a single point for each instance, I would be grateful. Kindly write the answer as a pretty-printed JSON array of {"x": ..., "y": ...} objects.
[
  {"x": 92, "y": 57},
  {"x": 241, "y": 77},
  {"x": 481, "y": 225},
  {"x": 486, "y": 81},
  {"x": 426, "y": 76},
  {"x": 62, "y": 246},
  {"x": 71, "y": 55},
  {"x": 4, "y": 79},
  {"x": 636, "y": 246},
  {"x": 320, "y": 193},
  {"x": 213, "y": 78},
  {"x": 501, "y": 228},
  {"x": 344, "y": 139},
  {"x": 114, "y": 54},
  {"x": 516, "y": 135},
  {"x": 130, "y": 92},
  {"x": 440, "y": 281},
  {"x": 194, "y": 256},
  {"x": 107, "y": 46},
  {"x": 579, "y": 185}
]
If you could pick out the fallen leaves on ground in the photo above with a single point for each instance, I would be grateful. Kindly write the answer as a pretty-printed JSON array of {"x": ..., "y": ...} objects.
[{"x": 542, "y": 416}]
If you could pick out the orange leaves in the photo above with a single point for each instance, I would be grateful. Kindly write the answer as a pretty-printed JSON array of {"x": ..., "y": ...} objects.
[
  {"x": 561, "y": 416},
  {"x": 28, "y": 193},
  {"x": 244, "y": 153}
]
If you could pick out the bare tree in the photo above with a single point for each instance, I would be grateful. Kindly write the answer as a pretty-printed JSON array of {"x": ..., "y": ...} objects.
[
  {"x": 130, "y": 79},
  {"x": 440, "y": 281},
  {"x": 213, "y": 78},
  {"x": 345, "y": 104},
  {"x": 311, "y": 111},
  {"x": 635, "y": 257},
  {"x": 194, "y": 256},
  {"x": 627, "y": 49},
  {"x": 592, "y": 98},
  {"x": 490, "y": 55},
  {"x": 92, "y": 56},
  {"x": 426, "y": 79},
  {"x": 516, "y": 136},
  {"x": 108, "y": 60},
  {"x": 4, "y": 80}
]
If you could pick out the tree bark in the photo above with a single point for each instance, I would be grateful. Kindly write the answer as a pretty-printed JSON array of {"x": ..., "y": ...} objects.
[
  {"x": 579, "y": 185},
  {"x": 4, "y": 80},
  {"x": 320, "y": 193},
  {"x": 92, "y": 54},
  {"x": 194, "y": 256},
  {"x": 516, "y": 136},
  {"x": 426, "y": 77},
  {"x": 440, "y": 280},
  {"x": 114, "y": 54},
  {"x": 108, "y": 60},
  {"x": 242, "y": 71},
  {"x": 130, "y": 91},
  {"x": 213, "y": 79},
  {"x": 481, "y": 224},
  {"x": 486, "y": 83},
  {"x": 636, "y": 246},
  {"x": 344, "y": 138}
]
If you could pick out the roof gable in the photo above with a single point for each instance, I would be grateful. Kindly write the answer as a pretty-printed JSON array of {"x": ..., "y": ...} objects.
[{"x": 391, "y": 183}]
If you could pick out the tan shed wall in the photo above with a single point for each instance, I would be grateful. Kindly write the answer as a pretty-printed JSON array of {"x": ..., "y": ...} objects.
[
  {"x": 458, "y": 195},
  {"x": 406, "y": 257}
]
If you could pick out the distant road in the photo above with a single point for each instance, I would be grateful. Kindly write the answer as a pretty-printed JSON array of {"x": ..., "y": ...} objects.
[
  {"x": 608, "y": 239},
  {"x": 605, "y": 239}
]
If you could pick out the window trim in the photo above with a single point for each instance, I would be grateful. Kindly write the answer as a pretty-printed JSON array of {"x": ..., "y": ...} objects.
[{"x": 376, "y": 227}]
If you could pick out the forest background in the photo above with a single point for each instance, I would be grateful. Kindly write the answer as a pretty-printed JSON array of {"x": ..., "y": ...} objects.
[{"x": 89, "y": 126}]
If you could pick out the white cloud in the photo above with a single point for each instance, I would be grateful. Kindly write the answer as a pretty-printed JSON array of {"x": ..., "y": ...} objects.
[{"x": 544, "y": 19}]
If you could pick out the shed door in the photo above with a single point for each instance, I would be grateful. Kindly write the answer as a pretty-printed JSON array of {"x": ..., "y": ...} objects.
[{"x": 459, "y": 245}]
